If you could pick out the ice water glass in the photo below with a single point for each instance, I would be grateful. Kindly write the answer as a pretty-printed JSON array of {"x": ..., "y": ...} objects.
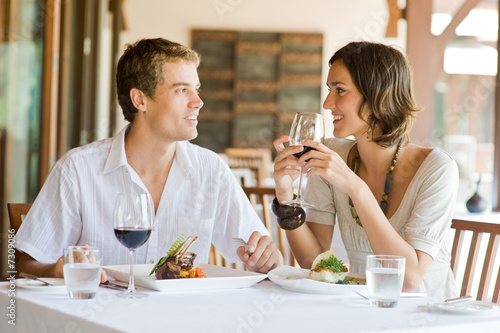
[
  {"x": 384, "y": 277},
  {"x": 82, "y": 271}
]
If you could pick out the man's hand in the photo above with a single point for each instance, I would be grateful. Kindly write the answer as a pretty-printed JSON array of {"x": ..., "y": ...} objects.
[
  {"x": 29, "y": 265},
  {"x": 58, "y": 268},
  {"x": 262, "y": 255},
  {"x": 59, "y": 271}
]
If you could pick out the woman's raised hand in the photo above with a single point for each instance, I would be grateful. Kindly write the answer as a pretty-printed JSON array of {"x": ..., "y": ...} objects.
[{"x": 324, "y": 162}]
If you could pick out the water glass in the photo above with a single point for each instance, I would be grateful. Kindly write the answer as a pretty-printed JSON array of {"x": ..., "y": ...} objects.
[
  {"x": 82, "y": 271},
  {"x": 384, "y": 277}
]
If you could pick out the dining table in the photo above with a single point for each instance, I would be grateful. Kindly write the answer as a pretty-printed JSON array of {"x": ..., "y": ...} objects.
[{"x": 260, "y": 307}]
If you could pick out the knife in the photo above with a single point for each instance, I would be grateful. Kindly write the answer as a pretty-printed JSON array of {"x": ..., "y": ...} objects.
[
  {"x": 112, "y": 285},
  {"x": 34, "y": 278}
]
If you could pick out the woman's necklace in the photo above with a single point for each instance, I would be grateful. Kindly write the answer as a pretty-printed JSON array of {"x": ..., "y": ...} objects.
[{"x": 387, "y": 186}]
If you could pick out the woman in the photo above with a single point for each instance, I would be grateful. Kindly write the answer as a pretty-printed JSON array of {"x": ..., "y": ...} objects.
[{"x": 390, "y": 196}]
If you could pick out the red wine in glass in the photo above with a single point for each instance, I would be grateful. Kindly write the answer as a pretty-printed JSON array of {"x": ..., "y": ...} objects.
[
  {"x": 132, "y": 226},
  {"x": 306, "y": 149},
  {"x": 132, "y": 238},
  {"x": 305, "y": 126}
]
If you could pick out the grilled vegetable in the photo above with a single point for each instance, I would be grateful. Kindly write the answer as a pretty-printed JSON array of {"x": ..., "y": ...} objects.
[{"x": 178, "y": 263}]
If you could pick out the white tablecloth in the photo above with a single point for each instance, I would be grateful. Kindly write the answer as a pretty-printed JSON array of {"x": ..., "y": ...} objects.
[{"x": 265, "y": 307}]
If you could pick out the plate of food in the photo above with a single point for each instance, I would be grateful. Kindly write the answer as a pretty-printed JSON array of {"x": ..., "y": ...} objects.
[
  {"x": 177, "y": 272},
  {"x": 328, "y": 275},
  {"x": 28, "y": 284}
]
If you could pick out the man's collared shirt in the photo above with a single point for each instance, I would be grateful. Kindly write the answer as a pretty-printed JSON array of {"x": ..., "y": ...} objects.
[{"x": 201, "y": 197}]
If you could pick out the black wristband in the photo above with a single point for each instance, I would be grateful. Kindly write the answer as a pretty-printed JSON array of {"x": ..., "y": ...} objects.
[
  {"x": 288, "y": 217},
  {"x": 276, "y": 205}
]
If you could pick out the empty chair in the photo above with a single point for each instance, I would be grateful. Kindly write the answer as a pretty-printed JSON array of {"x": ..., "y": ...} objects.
[
  {"x": 261, "y": 199},
  {"x": 257, "y": 160},
  {"x": 479, "y": 230}
]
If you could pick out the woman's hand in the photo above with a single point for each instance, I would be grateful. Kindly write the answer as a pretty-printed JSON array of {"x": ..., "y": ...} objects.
[
  {"x": 286, "y": 168},
  {"x": 329, "y": 165}
]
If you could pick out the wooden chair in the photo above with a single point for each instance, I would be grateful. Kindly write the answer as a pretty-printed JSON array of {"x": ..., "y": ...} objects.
[
  {"x": 261, "y": 199},
  {"x": 17, "y": 211},
  {"x": 257, "y": 160},
  {"x": 478, "y": 229}
]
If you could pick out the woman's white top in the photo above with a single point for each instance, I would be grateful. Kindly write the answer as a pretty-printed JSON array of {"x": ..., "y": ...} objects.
[{"x": 423, "y": 217}]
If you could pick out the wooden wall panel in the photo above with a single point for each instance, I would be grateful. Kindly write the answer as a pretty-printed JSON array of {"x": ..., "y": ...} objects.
[{"x": 253, "y": 83}]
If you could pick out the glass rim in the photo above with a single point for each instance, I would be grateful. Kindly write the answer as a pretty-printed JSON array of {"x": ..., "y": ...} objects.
[
  {"x": 308, "y": 112},
  {"x": 385, "y": 256},
  {"x": 81, "y": 248}
]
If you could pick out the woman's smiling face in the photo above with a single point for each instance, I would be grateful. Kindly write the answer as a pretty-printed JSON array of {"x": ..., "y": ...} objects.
[{"x": 344, "y": 101}]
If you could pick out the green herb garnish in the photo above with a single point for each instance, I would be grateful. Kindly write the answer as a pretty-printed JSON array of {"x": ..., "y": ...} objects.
[
  {"x": 332, "y": 263},
  {"x": 343, "y": 282},
  {"x": 177, "y": 244}
]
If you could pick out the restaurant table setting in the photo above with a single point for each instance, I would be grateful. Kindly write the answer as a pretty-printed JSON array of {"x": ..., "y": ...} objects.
[
  {"x": 149, "y": 298},
  {"x": 230, "y": 300}
]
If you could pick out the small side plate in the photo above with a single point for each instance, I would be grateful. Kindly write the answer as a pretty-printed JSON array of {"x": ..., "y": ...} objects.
[{"x": 57, "y": 284}]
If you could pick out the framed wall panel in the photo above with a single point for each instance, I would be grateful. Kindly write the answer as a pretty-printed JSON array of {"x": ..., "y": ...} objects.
[{"x": 252, "y": 83}]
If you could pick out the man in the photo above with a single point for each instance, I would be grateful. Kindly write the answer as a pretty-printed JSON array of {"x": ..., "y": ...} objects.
[{"x": 192, "y": 189}]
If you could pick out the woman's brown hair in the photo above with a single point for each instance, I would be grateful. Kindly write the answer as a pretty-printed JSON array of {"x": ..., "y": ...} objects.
[{"x": 383, "y": 76}]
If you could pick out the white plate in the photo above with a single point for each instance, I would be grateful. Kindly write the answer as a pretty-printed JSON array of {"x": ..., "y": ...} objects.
[
  {"x": 217, "y": 277},
  {"x": 296, "y": 279},
  {"x": 468, "y": 307},
  {"x": 58, "y": 284}
]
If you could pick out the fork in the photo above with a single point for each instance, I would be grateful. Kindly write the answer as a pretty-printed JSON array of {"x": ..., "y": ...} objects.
[{"x": 241, "y": 242}]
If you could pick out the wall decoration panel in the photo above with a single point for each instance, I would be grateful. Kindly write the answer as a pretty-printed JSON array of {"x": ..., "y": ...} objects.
[{"x": 252, "y": 83}]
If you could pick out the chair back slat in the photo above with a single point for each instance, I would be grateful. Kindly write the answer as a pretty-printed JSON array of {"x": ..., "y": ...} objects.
[
  {"x": 16, "y": 213},
  {"x": 261, "y": 196},
  {"x": 456, "y": 250},
  {"x": 496, "y": 291},
  {"x": 480, "y": 231},
  {"x": 471, "y": 263},
  {"x": 489, "y": 261}
]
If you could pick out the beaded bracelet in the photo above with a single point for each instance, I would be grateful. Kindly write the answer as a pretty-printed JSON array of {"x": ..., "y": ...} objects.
[{"x": 288, "y": 217}]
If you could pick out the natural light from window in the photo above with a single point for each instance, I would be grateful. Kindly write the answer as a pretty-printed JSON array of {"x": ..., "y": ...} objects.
[{"x": 470, "y": 57}]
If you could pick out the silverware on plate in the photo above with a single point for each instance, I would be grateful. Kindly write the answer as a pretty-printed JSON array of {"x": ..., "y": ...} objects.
[
  {"x": 34, "y": 278},
  {"x": 112, "y": 285}
]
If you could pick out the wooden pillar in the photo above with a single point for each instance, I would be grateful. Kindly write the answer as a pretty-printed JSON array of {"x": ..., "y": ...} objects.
[
  {"x": 50, "y": 80},
  {"x": 423, "y": 60},
  {"x": 496, "y": 160},
  {"x": 426, "y": 53},
  {"x": 118, "y": 25}
]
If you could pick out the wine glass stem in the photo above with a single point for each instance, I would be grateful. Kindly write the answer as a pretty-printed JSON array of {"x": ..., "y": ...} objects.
[
  {"x": 299, "y": 197},
  {"x": 131, "y": 286}
]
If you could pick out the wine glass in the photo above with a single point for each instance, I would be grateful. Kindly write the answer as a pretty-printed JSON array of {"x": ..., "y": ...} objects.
[
  {"x": 305, "y": 126},
  {"x": 132, "y": 226}
]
